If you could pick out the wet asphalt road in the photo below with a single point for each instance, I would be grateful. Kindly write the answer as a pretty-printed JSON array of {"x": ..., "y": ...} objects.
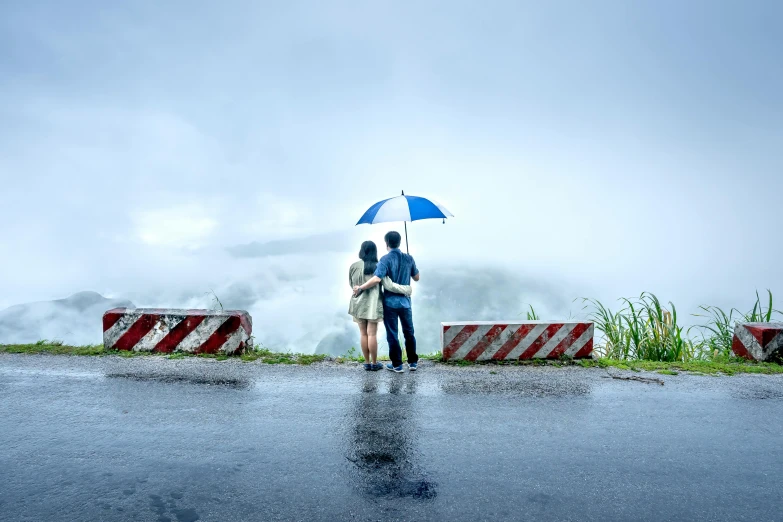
[{"x": 163, "y": 440}]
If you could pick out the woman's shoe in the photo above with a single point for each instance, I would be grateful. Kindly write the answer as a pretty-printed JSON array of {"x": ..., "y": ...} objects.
[
  {"x": 368, "y": 367},
  {"x": 377, "y": 366}
]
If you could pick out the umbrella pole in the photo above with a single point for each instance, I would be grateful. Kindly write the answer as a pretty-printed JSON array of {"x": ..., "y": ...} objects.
[{"x": 407, "y": 250}]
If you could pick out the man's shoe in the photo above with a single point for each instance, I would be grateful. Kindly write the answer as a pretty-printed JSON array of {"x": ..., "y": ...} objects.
[
  {"x": 413, "y": 366},
  {"x": 395, "y": 369}
]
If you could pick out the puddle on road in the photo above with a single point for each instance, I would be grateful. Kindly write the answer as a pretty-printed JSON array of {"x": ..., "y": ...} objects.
[
  {"x": 530, "y": 388},
  {"x": 381, "y": 442},
  {"x": 183, "y": 379},
  {"x": 159, "y": 505},
  {"x": 50, "y": 373},
  {"x": 761, "y": 393}
]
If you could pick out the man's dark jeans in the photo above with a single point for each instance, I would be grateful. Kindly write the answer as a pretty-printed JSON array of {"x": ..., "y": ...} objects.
[{"x": 405, "y": 316}]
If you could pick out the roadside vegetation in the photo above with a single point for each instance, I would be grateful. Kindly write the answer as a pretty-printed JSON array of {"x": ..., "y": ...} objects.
[
  {"x": 52, "y": 347},
  {"x": 263, "y": 355},
  {"x": 641, "y": 335},
  {"x": 712, "y": 366},
  {"x": 643, "y": 329},
  {"x": 719, "y": 365},
  {"x": 727, "y": 366}
]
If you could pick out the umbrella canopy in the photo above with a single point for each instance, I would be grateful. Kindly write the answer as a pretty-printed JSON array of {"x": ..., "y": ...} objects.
[{"x": 404, "y": 208}]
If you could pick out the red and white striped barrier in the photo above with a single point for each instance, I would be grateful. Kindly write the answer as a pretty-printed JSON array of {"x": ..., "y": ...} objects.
[
  {"x": 758, "y": 341},
  {"x": 167, "y": 330},
  {"x": 489, "y": 340}
]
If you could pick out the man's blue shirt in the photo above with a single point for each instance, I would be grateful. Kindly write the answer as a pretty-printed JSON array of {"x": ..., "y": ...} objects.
[{"x": 400, "y": 268}]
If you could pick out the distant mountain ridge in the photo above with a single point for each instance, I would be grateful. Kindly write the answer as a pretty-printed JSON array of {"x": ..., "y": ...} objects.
[{"x": 73, "y": 320}]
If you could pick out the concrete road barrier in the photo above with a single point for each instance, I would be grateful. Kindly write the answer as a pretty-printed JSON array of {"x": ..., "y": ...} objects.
[
  {"x": 758, "y": 341},
  {"x": 171, "y": 330},
  {"x": 489, "y": 340}
]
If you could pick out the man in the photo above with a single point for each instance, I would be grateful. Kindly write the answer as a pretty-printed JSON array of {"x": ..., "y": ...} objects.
[{"x": 401, "y": 268}]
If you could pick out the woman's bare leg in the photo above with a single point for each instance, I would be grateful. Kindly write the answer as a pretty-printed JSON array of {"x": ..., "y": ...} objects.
[
  {"x": 363, "y": 334},
  {"x": 372, "y": 342}
]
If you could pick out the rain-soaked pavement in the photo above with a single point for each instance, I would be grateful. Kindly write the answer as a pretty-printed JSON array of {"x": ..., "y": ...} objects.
[{"x": 162, "y": 440}]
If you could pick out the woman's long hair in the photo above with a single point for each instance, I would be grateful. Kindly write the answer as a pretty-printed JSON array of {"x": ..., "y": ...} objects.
[{"x": 369, "y": 254}]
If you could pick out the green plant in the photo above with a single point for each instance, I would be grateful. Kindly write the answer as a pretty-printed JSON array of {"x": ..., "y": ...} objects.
[
  {"x": 47, "y": 342},
  {"x": 44, "y": 346},
  {"x": 758, "y": 314},
  {"x": 215, "y": 300},
  {"x": 612, "y": 329},
  {"x": 532, "y": 315},
  {"x": 269, "y": 357},
  {"x": 718, "y": 332},
  {"x": 726, "y": 366},
  {"x": 642, "y": 330}
]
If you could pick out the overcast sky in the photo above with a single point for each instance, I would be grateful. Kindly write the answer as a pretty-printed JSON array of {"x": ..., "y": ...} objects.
[{"x": 150, "y": 151}]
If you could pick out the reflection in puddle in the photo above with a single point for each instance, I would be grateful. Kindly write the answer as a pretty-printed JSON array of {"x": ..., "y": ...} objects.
[
  {"x": 182, "y": 379},
  {"x": 382, "y": 442}
]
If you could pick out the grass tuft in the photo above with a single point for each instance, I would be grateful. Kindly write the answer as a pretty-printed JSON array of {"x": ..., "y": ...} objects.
[
  {"x": 727, "y": 366},
  {"x": 55, "y": 347},
  {"x": 718, "y": 331},
  {"x": 269, "y": 357},
  {"x": 644, "y": 329}
]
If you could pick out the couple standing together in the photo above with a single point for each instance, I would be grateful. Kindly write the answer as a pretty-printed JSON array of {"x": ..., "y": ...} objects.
[{"x": 370, "y": 305}]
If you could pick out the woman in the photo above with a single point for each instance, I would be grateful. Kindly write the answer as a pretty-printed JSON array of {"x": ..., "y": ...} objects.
[{"x": 367, "y": 308}]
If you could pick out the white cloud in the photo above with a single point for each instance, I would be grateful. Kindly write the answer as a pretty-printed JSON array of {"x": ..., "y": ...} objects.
[
  {"x": 276, "y": 216},
  {"x": 185, "y": 226},
  {"x": 133, "y": 147}
]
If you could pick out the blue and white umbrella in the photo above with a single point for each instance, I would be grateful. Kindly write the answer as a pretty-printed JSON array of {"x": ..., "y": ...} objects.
[{"x": 404, "y": 208}]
